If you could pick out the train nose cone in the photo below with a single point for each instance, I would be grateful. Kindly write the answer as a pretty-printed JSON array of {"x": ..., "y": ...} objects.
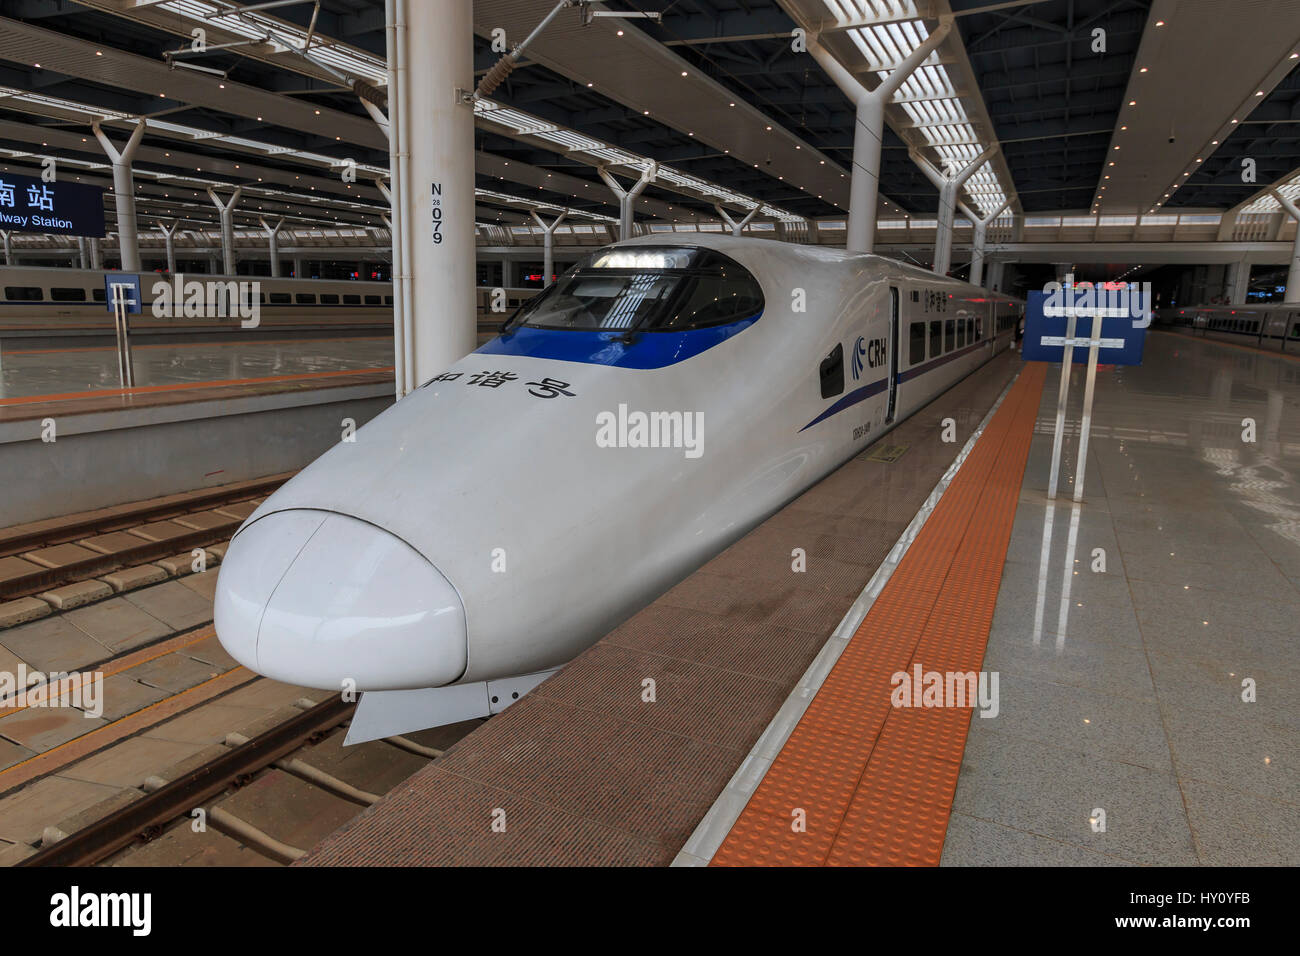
[{"x": 319, "y": 599}]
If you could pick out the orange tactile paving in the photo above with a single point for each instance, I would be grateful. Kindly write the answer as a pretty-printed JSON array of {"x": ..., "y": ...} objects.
[{"x": 861, "y": 782}]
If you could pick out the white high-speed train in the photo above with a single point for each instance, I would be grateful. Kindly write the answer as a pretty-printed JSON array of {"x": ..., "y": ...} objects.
[
  {"x": 1274, "y": 326},
  {"x": 644, "y": 412},
  {"x": 42, "y": 304}
]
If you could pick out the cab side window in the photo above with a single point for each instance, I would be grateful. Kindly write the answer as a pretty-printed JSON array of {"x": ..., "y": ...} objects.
[{"x": 831, "y": 372}]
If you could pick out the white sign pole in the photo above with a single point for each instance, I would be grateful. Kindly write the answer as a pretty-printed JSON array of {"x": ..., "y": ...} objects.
[
  {"x": 1062, "y": 396},
  {"x": 125, "y": 369},
  {"x": 1081, "y": 467}
]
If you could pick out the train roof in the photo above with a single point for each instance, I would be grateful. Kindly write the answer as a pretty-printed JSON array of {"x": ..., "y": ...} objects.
[{"x": 742, "y": 247}]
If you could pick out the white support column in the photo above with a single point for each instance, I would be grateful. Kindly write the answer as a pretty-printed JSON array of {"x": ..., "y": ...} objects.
[
  {"x": 736, "y": 226},
  {"x": 124, "y": 193},
  {"x": 9, "y": 251},
  {"x": 949, "y": 184},
  {"x": 627, "y": 197},
  {"x": 548, "y": 244},
  {"x": 83, "y": 255},
  {"x": 995, "y": 275},
  {"x": 977, "y": 242},
  {"x": 437, "y": 203},
  {"x": 96, "y": 262},
  {"x": 273, "y": 245},
  {"x": 1238, "y": 282},
  {"x": 227, "y": 212},
  {"x": 169, "y": 242},
  {"x": 869, "y": 130},
  {"x": 1293, "y": 274}
]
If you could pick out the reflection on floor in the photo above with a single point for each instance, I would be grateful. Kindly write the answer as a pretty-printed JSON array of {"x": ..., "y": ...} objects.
[
  {"x": 1146, "y": 640},
  {"x": 25, "y": 372}
]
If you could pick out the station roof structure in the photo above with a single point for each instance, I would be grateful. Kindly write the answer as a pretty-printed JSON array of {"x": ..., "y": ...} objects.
[{"x": 1116, "y": 107}]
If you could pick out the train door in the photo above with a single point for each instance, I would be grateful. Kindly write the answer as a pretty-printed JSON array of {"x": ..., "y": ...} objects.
[{"x": 893, "y": 355}]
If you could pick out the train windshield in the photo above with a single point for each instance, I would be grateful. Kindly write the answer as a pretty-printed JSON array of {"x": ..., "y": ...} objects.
[{"x": 645, "y": 289}]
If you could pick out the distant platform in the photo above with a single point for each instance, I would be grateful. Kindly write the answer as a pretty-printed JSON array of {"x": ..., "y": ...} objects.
[{"x": 201, "y": 415}]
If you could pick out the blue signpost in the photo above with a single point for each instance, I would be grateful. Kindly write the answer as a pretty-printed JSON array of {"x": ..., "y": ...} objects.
[
  {"x": 1119, "y": 322},
  {"x": 122, "y": 295}
]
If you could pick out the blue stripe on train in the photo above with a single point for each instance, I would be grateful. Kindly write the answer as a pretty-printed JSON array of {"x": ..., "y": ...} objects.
[
  {"x": 648, "y": 350},
  {"x": 875, "y": 388}
]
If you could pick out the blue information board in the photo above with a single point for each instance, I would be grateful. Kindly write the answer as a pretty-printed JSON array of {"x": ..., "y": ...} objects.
[
  {"x": 59, "y": 208},
  {"x": 131, "y": 293},
  {"x": 1123, "y": 337}
]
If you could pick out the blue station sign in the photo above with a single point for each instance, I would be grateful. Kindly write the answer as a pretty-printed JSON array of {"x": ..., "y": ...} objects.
[
  {"x": 66, "y": 209},
  {"x": 1047, "y": 322}
]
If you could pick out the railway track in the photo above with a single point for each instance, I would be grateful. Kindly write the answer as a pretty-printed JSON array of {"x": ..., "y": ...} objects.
[
  {"x": 170, "y": 802},
  {"x": 125, "y": 536},
  {"x": 269, "y": 782}
]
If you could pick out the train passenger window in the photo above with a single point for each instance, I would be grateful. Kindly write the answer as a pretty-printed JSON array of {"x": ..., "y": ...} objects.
[
  {"x": 305, "y": 298},
  {"x": 24, "y": 293},
  {"x": 916, "y": 295},
  {"x": 979, "y": 329},
  {"x": 352, "y": 300},
  {"x": 949, "y": 335},
  {"x": 280, "y": 298},
  {"x": 67, "y": 294},
  {"x": 916, "y": 344},
  {"x": 374, "y": 300},
  {"x": 650, "y": 289},
  {"x": 329, "y": 298},
  {"x": 388, "y": 300},
  {"x": 961, "y": 333},
  {"x": 936, "y": 338},
  {"x": 99, "y": 295},
  {"x": 1295, "y": 331},
  {"x": 832, "y": 372}
]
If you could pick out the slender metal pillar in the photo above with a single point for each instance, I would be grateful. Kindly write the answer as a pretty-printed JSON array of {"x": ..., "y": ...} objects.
[
  {"x": 273, "y": 246},
  {"x": 869, "y": 130},
  {"x": 949, "y": 183},
  {"x": 83, "y": 255},
  {"x": 737, "y": 226},
  {"x": 439, "y": 203},
  {"x": 227, "y": 212},
  {"x": 627, "y": 197},
  {"x": 169, "y": 243},
  {"x": 977, "y": 242},
  {"x": 548, "y": 244},
  {"x": 96, "y": 262},
  {"x": 9, "y": 250},
  {"x": 128, "y": 237}
]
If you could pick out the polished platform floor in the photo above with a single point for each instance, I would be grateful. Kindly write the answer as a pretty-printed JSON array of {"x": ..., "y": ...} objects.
[
  {"x": 39, "y": 373},
  {"x": 1149, "y": 712}
]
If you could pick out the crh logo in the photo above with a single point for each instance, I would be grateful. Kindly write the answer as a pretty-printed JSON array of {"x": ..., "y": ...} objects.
[
  {"x": 877, "y": 352},
  {"x": 859, "y": 354}
]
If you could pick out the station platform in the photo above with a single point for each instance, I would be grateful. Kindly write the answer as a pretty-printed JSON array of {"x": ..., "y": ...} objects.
[
  {"x": 199, "y": 415},
  {"x": 42, "y": 375},
  {"x": 1137, "y": 649}
]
